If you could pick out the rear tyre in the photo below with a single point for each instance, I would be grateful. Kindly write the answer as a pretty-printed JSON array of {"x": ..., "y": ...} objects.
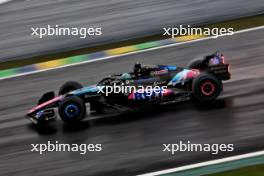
[
  {"x": 195, "y": 64},
  {"x": 206, "y": 88},
  {"x": 69, "y": 86},
  {"x": 72, "y": 109}
]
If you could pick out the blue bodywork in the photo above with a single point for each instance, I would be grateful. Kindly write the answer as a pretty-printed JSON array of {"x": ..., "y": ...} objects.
[
  {"x": 168, "y": 67},
  {"x": 88, "y": 89}
]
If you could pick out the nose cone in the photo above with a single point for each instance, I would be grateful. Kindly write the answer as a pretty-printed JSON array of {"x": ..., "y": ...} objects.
[{"x": 47, "y": 103}]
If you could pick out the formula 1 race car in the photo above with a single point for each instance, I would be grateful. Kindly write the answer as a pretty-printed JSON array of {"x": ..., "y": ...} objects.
[{"x": 145, "y": 86}]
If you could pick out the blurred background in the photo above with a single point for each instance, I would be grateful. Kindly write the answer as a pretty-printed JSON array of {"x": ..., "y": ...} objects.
[{"x": 119, "y": 19}]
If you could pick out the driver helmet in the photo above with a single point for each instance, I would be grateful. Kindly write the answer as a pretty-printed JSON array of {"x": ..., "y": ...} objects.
[
  {"x": 137, "y": 65},
  {"x": 125, "y": 76}
]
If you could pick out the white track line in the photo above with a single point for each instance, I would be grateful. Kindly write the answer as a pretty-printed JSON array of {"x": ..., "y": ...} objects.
[
  {"x": 4, "y": 1},
  {"x": 207, "y": 163},
  {"x": 131, "y": 53}
]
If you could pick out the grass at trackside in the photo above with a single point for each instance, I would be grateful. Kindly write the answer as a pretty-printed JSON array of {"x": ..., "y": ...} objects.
[
  {"x": 237, "y": 24},
  {"x": 257, "y": 170}
]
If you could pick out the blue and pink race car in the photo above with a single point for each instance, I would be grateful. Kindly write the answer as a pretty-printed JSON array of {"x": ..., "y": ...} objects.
[{"x": 145, "y": 86}]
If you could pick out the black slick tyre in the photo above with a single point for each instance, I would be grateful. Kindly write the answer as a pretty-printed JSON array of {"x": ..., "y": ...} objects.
[
  {"x": 206, "y": 88},
  {"x": 195, "y": 64},
  {"x": 72, "y": 109},
  {"x": 69, "y": 86}
]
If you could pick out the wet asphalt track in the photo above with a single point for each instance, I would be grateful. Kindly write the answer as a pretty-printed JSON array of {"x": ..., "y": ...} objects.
[
  {"x": 132, "y": 144},
  {"x": 119, "y": 19}
]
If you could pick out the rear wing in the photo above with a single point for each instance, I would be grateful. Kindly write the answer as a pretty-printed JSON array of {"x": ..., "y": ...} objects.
[{"x": 221, "y": 71}]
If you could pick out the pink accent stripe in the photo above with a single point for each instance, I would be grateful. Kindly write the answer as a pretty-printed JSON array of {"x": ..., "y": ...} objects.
[{"x": 46, "y": 103}]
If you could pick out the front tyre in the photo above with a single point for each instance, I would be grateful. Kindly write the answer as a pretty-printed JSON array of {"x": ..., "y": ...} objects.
[
  {"x": 206, "y": 88},
  {"x": 72, "y": 109},
  {"x": 69, "y": 86}
]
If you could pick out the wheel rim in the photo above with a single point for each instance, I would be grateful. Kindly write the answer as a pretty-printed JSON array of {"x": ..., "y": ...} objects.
[
  {"x": 207, "y": 88},
  {"x": 71, "y": 110}
]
